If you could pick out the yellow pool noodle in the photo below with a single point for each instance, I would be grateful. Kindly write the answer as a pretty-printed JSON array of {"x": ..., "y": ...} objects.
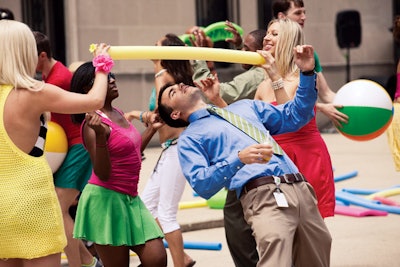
[
  {"x": 185, "y": 53},
  {"x": 385, "y": 193},
  {"x": 193, "y": 204}
]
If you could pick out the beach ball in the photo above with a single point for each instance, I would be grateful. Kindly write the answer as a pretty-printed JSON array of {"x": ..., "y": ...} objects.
[
  {"x": 56, "y": 145},
  {"x": 368, "y": 106},
  {"x": 217, "y": 201}
]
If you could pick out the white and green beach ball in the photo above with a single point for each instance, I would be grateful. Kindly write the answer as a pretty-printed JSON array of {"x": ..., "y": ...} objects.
[{"x": 369, "y": 107}]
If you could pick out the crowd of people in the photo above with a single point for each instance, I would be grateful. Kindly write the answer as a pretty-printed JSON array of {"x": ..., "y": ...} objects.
[{"x": 269, "y": 180}]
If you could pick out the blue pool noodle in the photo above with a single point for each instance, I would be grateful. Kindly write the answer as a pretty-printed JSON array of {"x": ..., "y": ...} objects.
[
  {"x": 198, "y": 245},
  {"x": 346, "y": 176},
  {"x": 366, "y": 203}
]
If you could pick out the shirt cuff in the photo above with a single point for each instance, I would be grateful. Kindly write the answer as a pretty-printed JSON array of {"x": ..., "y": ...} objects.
[{"x": 306, "y": 80}]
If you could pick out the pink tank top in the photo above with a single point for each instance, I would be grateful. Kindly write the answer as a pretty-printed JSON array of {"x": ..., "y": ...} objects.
[{"x": 124, "y": 147}]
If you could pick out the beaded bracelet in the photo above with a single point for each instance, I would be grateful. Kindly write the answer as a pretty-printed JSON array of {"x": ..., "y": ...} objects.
[
  {"x": 103, "y": 63},
  {"x": 278, "y": 84},
  {"x": 141, "y": 116}
]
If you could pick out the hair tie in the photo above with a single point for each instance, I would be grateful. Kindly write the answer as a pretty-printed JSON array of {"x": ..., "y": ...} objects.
[{"x": 103, "y": 63}]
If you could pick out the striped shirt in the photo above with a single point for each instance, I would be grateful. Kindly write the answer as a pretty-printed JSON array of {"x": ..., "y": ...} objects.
[{"x": 37, "y": 150}]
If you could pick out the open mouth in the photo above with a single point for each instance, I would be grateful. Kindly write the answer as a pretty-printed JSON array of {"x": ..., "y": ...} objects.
[{"x": 268, "y": 47}]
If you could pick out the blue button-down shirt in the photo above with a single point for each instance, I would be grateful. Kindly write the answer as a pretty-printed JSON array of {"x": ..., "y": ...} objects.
[{"x": 208, "y": 148}]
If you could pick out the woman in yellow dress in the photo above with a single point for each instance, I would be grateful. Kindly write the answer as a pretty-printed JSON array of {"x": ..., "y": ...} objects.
[{"x": 31, "y": 225}]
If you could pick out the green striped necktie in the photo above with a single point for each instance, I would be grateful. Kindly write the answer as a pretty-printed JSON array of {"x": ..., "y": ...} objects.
[{"x": 246, "y": 127}]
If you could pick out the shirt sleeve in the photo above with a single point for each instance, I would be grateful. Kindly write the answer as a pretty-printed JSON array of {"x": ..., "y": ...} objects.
[
  {"x": 243, "y": 86},
  {"x": 205, "y": 177},
  {"x": 200, "y": 70},
  {"x": 318, "y": 67},
  {"x": 294, "y": 114}
]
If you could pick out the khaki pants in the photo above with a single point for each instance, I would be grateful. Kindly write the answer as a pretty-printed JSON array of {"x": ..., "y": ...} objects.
[
  {"x": 296, "y": 235},
  {"x": 239, "y": 236}
]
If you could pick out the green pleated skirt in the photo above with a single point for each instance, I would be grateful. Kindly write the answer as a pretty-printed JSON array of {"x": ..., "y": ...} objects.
[{"x": 107, "y": 217}]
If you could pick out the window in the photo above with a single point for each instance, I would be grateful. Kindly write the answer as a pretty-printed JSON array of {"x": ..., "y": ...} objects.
[
  {"x": 264, "y": 13},
  {"x": 211, "y": 11},
  {"x": 47, "y": 16}
]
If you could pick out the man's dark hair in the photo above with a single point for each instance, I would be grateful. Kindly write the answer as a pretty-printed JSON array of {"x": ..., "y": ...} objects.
[
  {"x": 5, "y": 13},
  {"x": 283, "y": 6},
  {"x": 42, "y": 43},
  {"x": 258, "y": 36},
  {"x": 165, "y": 111}
]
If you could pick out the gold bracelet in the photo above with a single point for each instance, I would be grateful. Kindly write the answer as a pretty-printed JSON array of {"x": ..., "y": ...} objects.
[{"x": 278, "y": 84}]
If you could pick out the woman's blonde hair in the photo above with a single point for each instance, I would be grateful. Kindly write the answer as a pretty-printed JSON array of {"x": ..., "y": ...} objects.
[
  {"x": 290, "y": 35},
  {"x": 19, "y": 57}
]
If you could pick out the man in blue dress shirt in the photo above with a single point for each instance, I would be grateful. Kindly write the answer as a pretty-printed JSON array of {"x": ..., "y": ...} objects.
[{"x": 278, "y": 204}]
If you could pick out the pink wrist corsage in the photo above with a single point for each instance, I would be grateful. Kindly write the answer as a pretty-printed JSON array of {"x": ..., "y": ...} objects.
[{"x": 103, "y": 63}]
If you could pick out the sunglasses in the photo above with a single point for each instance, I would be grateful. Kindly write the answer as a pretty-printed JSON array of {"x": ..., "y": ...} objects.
[{"x": 109, "y": 77}]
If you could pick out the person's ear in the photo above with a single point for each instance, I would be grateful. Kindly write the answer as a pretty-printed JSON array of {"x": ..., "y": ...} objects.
[
  {"x": 281, "y": 15},
  {"x": 175, "y": 115},
  {"x": 42, "y": 55}
]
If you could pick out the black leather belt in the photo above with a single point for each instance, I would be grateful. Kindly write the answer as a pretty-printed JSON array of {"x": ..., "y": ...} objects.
[{"x": 286, "y": 178}]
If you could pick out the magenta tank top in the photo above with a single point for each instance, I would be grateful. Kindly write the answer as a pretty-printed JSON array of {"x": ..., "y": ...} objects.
[{"x": 124, "y": 147}]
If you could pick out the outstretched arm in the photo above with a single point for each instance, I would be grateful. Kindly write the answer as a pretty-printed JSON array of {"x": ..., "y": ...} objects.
[
  {"x": 299, "y": 111},
  {"x": 326, "y": 95}
]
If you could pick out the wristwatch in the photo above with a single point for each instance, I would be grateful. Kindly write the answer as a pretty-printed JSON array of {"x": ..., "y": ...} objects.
[{"x": 308, "y": 72}]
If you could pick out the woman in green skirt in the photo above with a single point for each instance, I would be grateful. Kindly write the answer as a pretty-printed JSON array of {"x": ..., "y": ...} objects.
[{"x": 110, "y": 213}]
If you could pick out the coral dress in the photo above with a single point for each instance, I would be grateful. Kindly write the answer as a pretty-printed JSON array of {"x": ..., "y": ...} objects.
[{"x": 308, "y": 151}]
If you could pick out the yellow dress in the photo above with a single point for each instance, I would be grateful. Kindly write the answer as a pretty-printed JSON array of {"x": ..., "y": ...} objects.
[{"x": 31, "y": 223}]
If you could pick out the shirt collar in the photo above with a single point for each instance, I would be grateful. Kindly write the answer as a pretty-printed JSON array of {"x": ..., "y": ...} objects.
[{"x": 198, "y": 114}]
